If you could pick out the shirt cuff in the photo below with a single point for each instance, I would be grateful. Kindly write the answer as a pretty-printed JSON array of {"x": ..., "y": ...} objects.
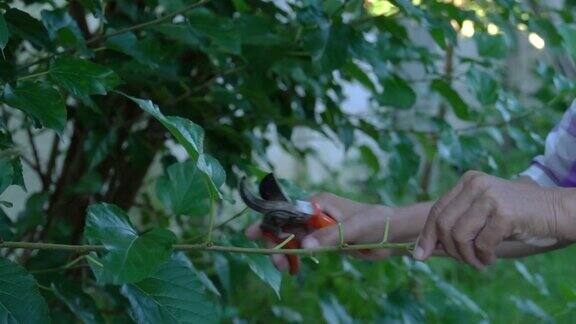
[{"x": 540, "y": 174}]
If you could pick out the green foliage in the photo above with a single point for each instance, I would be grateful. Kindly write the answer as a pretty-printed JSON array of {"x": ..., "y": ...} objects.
[
  {"x": 82, "y": 78},
  {"x": 100, "y": 117},
  {"x": 173, "y": 294},
  {"x": 20, "y": 299},
  {"x": 179, "y": 190},
  {"x": 40, "y": 101},
  {"x": 131, "y": 257}
]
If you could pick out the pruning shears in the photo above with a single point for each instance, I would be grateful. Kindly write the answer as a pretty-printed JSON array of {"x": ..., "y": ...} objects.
[{"x": 282, "y": 214}]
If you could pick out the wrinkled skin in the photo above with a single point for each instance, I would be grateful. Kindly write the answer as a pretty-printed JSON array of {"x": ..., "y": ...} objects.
[
  {"x": 481, "y": 218},
  {"x": 481, "y": 211}
]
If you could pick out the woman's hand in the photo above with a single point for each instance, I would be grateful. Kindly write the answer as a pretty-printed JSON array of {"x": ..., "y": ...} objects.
[
  {"x": 361, "y": 223},
  {"x": 481, "y": 211}
]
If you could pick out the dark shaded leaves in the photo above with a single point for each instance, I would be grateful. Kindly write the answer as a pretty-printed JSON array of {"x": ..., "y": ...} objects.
[
  {"x": 40, "y": 101},
  {"x": 173, "y": 294},
  {"x": 20, "y": 300},
  {"x": 182, "y": 190},
  {"x": 22, "y": 24},
  {"x": 83, "y": 78},
  {"x": 79, "y": 303},
  {"x": 458, "y": 105}
]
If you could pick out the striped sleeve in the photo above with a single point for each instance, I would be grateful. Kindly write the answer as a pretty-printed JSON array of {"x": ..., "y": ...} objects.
[{"x": 557, "y": 166}]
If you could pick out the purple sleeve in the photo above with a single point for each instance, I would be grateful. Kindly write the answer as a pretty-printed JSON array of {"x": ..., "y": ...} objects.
[{"x": 557, "y": 167}]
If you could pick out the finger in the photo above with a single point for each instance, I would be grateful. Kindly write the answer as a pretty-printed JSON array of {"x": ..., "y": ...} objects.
[
  {"x": 491, "y": 235},
  {"x": 428, "y": 237},
  {"x": 373, "y": 255},
  {"x": 336, "y": 206},
  {"x": 467, "y": 228},
  {"x": 253, "y": 232},
  {"x": 454, "y": 211},
  {"x": 332, "y": 211},
  {"x": 280, "y": 261},
  {"x": 330, "y": 236}
]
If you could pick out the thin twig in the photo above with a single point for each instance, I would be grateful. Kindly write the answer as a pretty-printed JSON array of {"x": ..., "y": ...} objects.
[
  {"x": 211, "y": 226},
  {"x": 238, "y": 214},
  {"x": 203, "y": 85},
  {"x": 386, "y": 231},
  {"x": 64, "y": 267},
  {"x": 34, "y": 149},
  {"x": 33, "y": 75},
  {"x": 204, "y": 247},
  {"x": 52, "y": 158},
  {"x": 148, "y": 23},
  {"x": 283, "y": 243},
  {"x": 341, "y": 235}
]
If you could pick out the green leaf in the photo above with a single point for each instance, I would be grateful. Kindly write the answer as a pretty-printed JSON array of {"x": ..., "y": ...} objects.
[
  {"x": 79, "y": 303},
  {"x": 397, "y": 93},
  {"x": 328, "y": 45},
  {"x": 458, "y": 105},
  {"x": 182, "y": 190},
  {"x": 191, "y": 137},
  {"x": 22, "y": 24},
  {"x": 4, "y": 33},
  {"x": 352, "y": 70},
  {"x": 370, "y": 158},
  {"x": 131, "y": 257},
  {"x": 484, "y": 86},
  {"x": 334, "y": 312},
  {"x": 128, "y": 44},
  {"x": 212, "y": 168},
  {"x": 39, "y": 100},
  {"x": 20, "y": 300},
  {"x": 187, "y": 133},
  {"x": 63, "y": 29},
  {"x": 222, "y": 33},
  {"x": 10, "y": 165},
  {"x": 33, "y": 213},
  {"x": 6, "y": 232},
  {"x": 491, "y": 45},
  {"x": 260, "y": 31},
  {"x": 173, "y": 294},
  {"x": 568, "y": 33},
  {"x": 83, "y": 78},
  {"x": 261, "y": 265}
]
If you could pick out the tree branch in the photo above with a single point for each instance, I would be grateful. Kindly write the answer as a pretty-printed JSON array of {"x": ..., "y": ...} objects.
[{"x": 82, "y": 249}]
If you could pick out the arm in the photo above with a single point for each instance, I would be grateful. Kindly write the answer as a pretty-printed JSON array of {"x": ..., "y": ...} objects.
[{"x": 480, "y": 212}]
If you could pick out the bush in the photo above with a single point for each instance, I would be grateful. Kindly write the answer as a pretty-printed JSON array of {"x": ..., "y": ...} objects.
[{"x": 99, "y": 97}]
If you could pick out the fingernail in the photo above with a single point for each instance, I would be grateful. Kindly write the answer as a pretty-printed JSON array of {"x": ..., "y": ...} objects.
[
  {"x": 310, "y": 243},
  {"x": 418, "y": 253}
]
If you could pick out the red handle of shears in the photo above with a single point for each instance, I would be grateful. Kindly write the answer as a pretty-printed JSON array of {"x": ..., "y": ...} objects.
[{"x": 318, "y": 220}]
